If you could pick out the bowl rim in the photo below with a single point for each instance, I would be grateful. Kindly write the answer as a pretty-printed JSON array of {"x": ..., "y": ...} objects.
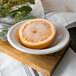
[{"x": 37, "y": 51}]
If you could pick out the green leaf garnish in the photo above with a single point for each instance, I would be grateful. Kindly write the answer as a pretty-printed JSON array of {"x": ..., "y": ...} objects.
[
  {"x": 25, "y": 9},
  {"x": 29, "y": 17},
  {"x": 15, "y": 11},
  {"x": 32, "y": 1}
]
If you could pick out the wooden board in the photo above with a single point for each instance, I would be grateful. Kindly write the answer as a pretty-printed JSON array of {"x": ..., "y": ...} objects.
[{"x": 42, "y": 63}]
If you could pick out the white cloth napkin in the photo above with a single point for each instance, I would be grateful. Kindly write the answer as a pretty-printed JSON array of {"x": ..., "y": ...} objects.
[
  {"x": 63, "y": 18},
  {"x": 67, "y": 67}
]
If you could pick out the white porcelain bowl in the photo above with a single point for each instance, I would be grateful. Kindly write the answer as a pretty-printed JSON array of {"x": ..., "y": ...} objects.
[{"x": 62, "y": 38}]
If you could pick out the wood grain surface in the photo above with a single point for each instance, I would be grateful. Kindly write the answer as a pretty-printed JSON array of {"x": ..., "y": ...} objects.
[{"x": 42, "y": 63}]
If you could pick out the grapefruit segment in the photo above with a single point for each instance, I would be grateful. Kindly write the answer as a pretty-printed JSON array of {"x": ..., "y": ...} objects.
[{"x": 37, "y": 33}]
